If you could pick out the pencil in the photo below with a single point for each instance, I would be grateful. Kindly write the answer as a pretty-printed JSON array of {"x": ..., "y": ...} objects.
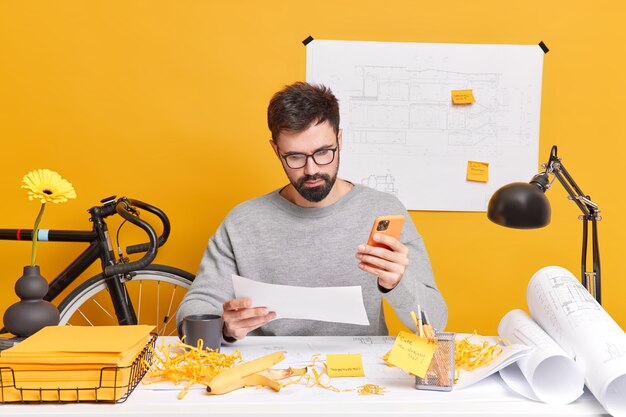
[
  {"x": 427, "y": 320},
  {"x": 414, "y": 317},
  {"x": 428, "y": 329},
  {"x": 420, "y": 329},
  {"x": 440, "y": 358}
]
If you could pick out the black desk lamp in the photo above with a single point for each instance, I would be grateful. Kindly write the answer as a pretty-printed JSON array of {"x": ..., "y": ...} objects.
[{"x": 524, "y": 206}]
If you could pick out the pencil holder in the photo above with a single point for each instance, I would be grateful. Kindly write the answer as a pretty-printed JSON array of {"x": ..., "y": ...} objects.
[{"x": 440, "y": 374}]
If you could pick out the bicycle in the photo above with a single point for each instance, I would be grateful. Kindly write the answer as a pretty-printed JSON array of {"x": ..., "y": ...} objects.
[{"x": 125, "y": 292}]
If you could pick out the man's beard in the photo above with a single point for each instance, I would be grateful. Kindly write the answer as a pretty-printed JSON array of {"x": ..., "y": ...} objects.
[{"x": 315, "y": 194}]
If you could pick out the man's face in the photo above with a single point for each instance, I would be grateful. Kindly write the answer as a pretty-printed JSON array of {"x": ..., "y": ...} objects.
[{"x": 313, "y": 181}]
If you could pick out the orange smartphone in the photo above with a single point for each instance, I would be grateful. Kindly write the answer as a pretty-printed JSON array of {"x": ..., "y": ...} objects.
[{"x": 387, "y": 225}]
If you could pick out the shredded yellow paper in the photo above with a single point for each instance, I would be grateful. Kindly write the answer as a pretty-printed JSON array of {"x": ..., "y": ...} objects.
[
  {"x": 315, "y": 378},
  {"x": 469, "y": 356},
  {"x": 312, "y": 377},
  {"x": 180, "y": 362},
  {"x": 371, "y": 389}
]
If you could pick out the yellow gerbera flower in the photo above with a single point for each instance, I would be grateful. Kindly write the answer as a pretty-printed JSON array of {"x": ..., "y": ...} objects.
[{"x": 47, "y": 186}]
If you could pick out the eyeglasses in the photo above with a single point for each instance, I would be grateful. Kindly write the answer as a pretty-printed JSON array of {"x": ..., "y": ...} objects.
[{"x": 299, "y": 160}]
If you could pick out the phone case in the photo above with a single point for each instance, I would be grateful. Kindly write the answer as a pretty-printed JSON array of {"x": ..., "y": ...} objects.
[{"x": 388, "y": 225}]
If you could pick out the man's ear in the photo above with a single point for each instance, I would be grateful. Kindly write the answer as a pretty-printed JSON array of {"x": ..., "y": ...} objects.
[
  {"x": 274, "y": 147},
  {"x": 339, "y": 137}
]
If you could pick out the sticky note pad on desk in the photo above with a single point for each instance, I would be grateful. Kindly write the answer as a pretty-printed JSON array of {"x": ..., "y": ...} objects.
[
  {"x": 344, "y": 365},
  {"x": 477, "y": 171},
  {"x": 462, "y": 97},
  {"x": 412, "y": 353}
]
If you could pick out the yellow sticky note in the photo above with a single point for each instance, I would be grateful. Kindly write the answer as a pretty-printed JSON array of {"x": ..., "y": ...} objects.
[
  {"x": 477, "y": 171},
  {"x": 462, "y": 97},
  {"x": 344, "y": 365},
  {"x": 412, "y": 353}
]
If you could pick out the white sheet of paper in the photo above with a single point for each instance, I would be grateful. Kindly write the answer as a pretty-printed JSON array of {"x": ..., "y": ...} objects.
[
  {"x": 400, "y": 125},
  {"x": 548, "y": 374},
  {"x": 333, "y": 304},
  {"x": 567, "y": 312}
]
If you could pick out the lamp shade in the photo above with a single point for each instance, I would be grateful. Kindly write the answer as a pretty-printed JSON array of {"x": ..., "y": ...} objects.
[{"x": 519, "y": 205}]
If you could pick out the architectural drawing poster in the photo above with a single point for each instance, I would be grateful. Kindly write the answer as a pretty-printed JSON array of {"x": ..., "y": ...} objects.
[{"x": 402, "y": 133}]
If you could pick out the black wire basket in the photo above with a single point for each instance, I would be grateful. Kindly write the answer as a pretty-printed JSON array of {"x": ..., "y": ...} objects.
[{"x": 114, "y": 386}]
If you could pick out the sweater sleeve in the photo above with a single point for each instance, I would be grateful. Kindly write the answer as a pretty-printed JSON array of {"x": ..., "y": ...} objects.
[
  {"x": 212, "y": 285},
  {"x": 417, "y": 286}
]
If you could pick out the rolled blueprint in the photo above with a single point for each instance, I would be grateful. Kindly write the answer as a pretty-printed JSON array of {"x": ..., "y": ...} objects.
[
  {"x": 575, "y": 320},
  {"x": 548, "y": 374}
]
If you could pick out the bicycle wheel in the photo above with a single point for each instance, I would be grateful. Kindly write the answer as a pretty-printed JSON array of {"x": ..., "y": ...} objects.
[{"x": 155, "y": 293}]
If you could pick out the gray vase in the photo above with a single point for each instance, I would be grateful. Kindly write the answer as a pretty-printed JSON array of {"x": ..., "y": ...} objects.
[{"x": 32, "y": 313}]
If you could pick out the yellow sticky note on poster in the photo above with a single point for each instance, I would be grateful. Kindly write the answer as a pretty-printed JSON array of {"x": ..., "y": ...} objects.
[
  {"x": 344, "y": 365},
  {"x": 412, "y": 353},
  {"x": 477, "y": 171},
  {"x": 462, "y": 97}
]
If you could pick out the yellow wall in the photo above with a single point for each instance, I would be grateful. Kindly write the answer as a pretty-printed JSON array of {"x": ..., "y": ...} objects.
[{"x": 164, "y": 101}]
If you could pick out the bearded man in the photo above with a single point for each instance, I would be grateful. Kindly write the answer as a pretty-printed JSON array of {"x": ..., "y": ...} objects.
[{"x": 311, "y": 233}]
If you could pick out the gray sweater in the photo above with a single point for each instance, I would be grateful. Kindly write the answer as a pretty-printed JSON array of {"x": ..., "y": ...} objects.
[{"x": 272, "y": 240}]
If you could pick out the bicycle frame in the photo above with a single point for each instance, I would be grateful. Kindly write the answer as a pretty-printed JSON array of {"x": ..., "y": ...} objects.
[{"x": 100, "y": 247}]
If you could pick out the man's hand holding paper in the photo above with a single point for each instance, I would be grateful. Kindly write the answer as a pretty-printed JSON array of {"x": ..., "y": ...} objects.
[
  {"x": 256, "y": 303},
  {"x": 241, "y": 317}
]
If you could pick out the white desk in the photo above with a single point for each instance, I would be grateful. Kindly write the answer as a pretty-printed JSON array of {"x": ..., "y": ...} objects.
[{"x": 488, "y": 397}]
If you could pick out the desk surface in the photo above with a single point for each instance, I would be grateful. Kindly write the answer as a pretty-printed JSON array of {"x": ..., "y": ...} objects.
[{"x": 488, "y": 397}]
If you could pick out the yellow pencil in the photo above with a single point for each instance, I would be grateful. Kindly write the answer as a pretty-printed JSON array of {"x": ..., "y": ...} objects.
[
  {"x": 414, "y": 317},
  {"x": 420, "y": 329}
]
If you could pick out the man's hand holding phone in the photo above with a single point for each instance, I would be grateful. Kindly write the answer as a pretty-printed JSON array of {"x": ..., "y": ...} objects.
[
  {"x": 240, "y": 318},
  {"x": 385, "y": 256}
]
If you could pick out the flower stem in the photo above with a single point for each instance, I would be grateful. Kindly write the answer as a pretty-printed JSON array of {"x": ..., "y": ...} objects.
[{"x": 35, "y": 233}]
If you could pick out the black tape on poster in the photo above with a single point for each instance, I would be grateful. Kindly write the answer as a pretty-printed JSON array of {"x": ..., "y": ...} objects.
[
  {"x": 307, "y": 40},
  {"x": 544, "y": 47}
]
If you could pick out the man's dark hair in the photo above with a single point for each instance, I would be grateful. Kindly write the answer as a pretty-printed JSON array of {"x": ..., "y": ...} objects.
[{"x": 299, "y": 105}]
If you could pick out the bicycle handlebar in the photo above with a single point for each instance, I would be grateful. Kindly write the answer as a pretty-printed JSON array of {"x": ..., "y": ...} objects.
[
  {"x": 123, "y": 208},
  {"x": 144, "y": 247}
]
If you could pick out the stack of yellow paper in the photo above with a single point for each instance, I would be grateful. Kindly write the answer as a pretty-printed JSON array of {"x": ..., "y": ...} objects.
[{"x": 72, "y": 363}]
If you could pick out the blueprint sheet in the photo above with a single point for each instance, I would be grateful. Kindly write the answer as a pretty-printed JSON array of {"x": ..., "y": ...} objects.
[
  {"x": 574, "y": 319},
  {"x": 403, "y": 135}
]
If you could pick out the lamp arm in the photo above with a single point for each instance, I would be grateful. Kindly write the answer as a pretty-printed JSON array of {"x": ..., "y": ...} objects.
[
  {"x": 574, "y": 191},
  {"x": 596, "y": 262},
  {"x": 590, "y": 210}
]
